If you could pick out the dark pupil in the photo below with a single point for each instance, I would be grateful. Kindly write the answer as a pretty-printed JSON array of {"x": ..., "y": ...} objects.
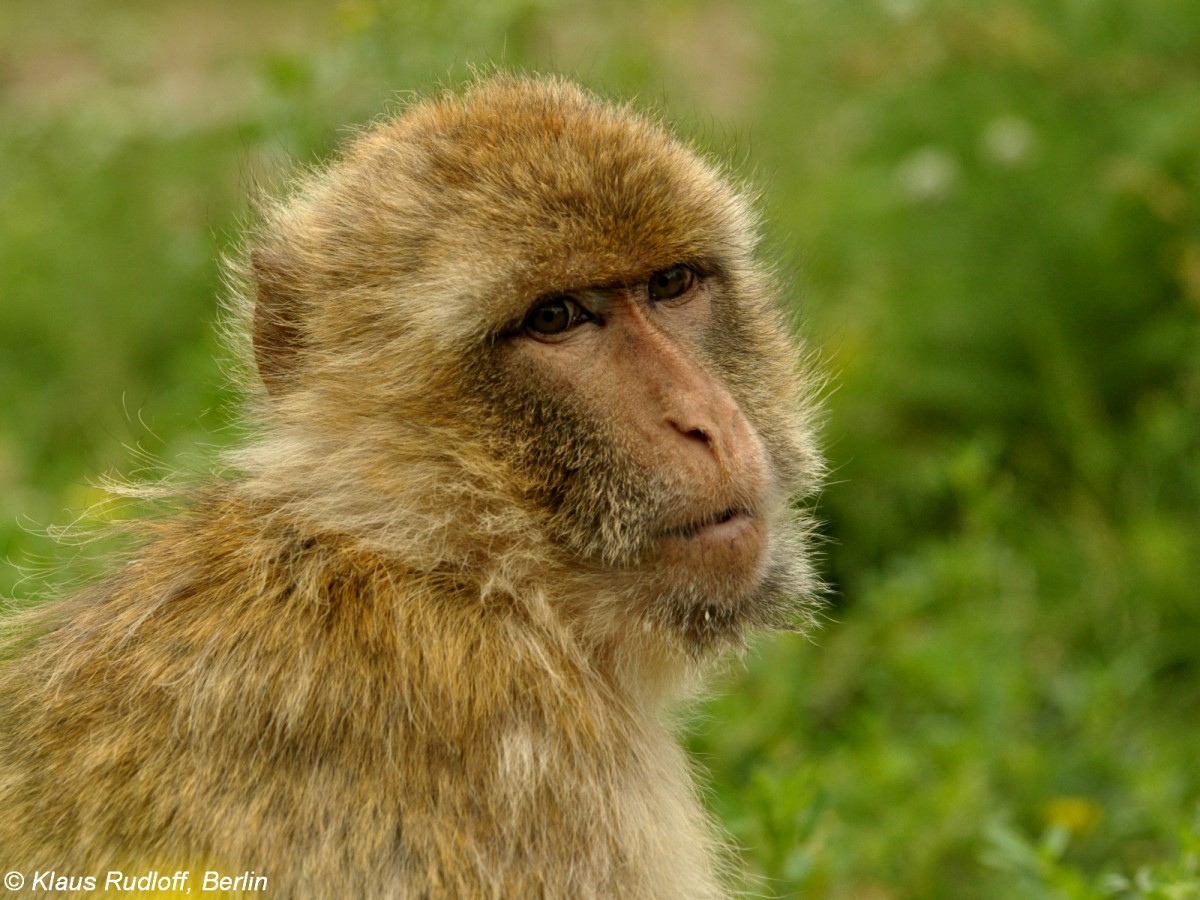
[
  {"x": 669, "y": 283},
  {"x": 550, "y": 318}
]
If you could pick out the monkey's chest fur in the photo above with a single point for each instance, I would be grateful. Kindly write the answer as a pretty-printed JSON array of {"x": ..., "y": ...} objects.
[{"x": 241, "y": 701}]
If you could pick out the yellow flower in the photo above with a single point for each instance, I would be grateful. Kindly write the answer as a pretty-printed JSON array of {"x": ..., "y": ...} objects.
[{"x": 1077, "y": 815}]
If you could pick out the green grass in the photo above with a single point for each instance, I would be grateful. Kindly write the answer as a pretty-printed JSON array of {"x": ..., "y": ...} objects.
[{"x": 990, "y": 215}]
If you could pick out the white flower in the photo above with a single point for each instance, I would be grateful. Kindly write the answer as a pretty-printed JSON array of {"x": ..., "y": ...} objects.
[
  {"x": 928, "y": 174},
  {"x": 1007, "y": 141}
]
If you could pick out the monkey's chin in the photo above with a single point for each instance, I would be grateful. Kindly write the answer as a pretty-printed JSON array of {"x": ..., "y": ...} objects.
[
  {"x": 709, "y": 585},
  {"x": 728, "y": 551}
]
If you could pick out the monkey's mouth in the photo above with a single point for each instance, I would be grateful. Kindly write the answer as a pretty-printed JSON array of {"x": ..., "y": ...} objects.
[{"x": 728, "y": 522}]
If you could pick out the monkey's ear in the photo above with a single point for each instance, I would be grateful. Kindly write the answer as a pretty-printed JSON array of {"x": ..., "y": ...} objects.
[{"x": 278, "y": 312}]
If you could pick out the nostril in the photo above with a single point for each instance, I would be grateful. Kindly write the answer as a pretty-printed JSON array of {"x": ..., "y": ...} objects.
[
  {"x": 701, "y": 436},
  {"x": 696, "y": 432}
]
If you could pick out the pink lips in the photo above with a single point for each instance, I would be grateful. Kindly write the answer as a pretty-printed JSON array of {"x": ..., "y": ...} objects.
[
  {"x": 729, "y": 524},
  {"x": 728, "y": 527}
]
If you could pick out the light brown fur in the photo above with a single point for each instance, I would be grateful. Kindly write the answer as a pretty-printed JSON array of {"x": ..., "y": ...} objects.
[{"x": 424, "y": 642}]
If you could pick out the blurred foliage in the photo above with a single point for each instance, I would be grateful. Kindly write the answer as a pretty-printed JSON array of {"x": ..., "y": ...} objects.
[{"x": 989, "y": 214}]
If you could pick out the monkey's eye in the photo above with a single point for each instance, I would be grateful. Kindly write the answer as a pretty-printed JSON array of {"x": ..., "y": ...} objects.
[
  {"x": 554, "y": 317},
  {"x": 670, "y": 283}
]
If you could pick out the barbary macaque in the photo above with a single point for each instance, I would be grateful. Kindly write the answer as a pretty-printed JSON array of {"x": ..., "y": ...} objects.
[{"x": 529, "y": 453}]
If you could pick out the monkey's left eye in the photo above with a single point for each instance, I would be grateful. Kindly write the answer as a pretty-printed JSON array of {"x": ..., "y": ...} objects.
[
  {"x": 670, "y": 283},
  {"x": 554, "y": 317}
]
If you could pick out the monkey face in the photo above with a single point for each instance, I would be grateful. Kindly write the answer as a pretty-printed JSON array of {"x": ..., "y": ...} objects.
[
  {"x": 629, "y": 359},
  {"x": 612, "y": 406}
]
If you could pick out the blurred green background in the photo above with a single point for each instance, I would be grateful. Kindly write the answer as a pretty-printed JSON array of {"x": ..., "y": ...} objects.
[{"x": 989, "y": 216}]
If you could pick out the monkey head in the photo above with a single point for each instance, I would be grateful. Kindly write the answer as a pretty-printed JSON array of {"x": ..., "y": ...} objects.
[{"x": 518, "y": 336}]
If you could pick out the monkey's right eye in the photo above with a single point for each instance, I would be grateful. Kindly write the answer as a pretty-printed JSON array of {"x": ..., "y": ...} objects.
[{"x": 554, "y": 317}]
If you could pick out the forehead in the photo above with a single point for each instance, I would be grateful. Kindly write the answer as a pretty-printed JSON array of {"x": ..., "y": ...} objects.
[{"x": 545, "y": 187}]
